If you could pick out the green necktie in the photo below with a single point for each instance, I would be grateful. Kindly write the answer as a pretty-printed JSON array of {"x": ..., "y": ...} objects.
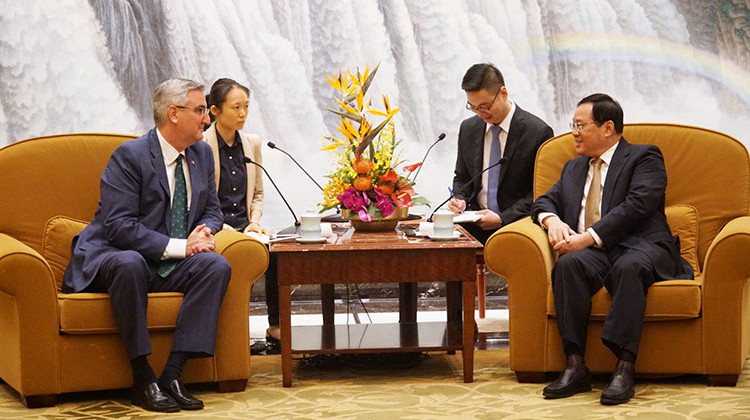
[{"x": 178, "y": 217}]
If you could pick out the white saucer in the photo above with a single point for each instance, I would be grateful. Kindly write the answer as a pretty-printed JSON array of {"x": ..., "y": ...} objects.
[
  {"x": 456, "y": 235},
  {"x": 311, "y": 240}
]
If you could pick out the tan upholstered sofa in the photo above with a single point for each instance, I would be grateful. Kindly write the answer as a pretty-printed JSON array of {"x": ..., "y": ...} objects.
[
  {"x": 54, "y": 343},
  {"x": 700, "y": 326}
]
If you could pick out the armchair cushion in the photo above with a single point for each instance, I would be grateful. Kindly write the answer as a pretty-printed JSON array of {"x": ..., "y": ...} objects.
[
  {"x": 91, "y": 313},
  {"x": 683, "y": 221},
  {"x": 666, "y": 300},
  {"x": 56, "y": 241}
]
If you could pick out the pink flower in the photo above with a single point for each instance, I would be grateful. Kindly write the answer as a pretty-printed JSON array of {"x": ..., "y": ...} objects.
[
  {"x": 351, "y": 199},
  {"x": 383, "y": 203}
]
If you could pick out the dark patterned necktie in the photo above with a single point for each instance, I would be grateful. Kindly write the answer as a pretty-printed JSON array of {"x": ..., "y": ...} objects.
[{"x": 179, "y": 216}]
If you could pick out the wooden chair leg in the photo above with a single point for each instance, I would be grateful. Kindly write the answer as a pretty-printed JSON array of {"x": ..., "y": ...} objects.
[
  {"x": 531, "y": 377},
  {"x": 722, "y": 380},
  {"x": 236, "y": 385},
  {"x": 481, "y": 287},
  {"x": 39, "y": 401}
]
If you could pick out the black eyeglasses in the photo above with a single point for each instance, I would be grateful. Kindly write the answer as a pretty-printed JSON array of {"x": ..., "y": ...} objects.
[
  {"x": 201, "y": 110},
  {"x": 483, "y": 108}
]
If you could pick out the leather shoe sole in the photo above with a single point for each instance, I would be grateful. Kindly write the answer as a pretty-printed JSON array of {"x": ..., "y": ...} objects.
[
  {"x": 617, "y": 399},
  {"x": 181, "y": 396},
  {"x": 152, "y": 398},
  {"x": 619, "y": 391},
  {"x": 581, "y": 382}
]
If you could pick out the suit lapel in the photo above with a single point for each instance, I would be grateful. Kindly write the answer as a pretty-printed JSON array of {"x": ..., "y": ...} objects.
[
  {"x": 578, "y": 172},
  {"x": 614, "y": 171},
  {"x": 197, "y": 182},
  {"x": 478, "y": 153},
  {"x": 157, "y": 161},
  {"x": 511, "y": 142}
]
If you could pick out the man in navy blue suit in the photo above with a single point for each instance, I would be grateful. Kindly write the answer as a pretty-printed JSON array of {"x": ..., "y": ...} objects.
[
  {"x": 153, "y": 232},
  {"x": 605, "y": 216}
]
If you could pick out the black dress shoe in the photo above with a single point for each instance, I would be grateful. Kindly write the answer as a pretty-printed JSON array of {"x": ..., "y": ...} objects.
[
  {"x": 621, "y": 387},
  {"x": 176, "y": 390},
  {"x": 571, "y": 381},
  {"x": 258, "y": 347},
  {"x": 273, "y": 345},
  {"x": 152, "y": 398}
]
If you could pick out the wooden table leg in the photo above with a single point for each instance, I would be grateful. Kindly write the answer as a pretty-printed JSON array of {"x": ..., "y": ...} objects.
[
  {"x": 407, "y": 302},
  {"x": 453, "y": 300},
  {"x": 328, "y": 304},
  {"x": 481, "y": 285},
  {"x": 468, "y": 350},
  {"x": 285, "y": 312}
]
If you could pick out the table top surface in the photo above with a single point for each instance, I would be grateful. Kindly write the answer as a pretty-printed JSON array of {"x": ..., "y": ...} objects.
[{"x": 345, "y": 238}]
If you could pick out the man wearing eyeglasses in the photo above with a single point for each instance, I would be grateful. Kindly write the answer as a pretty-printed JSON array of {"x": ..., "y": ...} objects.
[
  {"x": 153, "y": 232},
  {"x": 502, "y": 139},
  {"x": 605, "y": 217}
]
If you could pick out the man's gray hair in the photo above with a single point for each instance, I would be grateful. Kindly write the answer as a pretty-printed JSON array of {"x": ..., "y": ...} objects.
[{"x": 172, "y": 91}]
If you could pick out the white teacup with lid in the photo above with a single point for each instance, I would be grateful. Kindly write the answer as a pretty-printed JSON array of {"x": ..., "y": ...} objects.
[
  {"x": 309, "y": 228},
  {"x": 443, "y": 224}
]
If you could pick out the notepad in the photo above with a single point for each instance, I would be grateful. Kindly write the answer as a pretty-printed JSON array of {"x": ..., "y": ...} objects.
[{"x": 467, "y": 217}]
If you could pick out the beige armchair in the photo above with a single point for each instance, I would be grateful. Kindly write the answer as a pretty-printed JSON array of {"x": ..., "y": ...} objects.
[
  {"x": 700, "y": 326},
  {"x": 54, "y": 342}
]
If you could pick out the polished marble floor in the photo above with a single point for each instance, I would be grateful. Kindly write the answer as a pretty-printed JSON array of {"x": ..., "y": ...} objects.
[{"x": 493, "y": 329}]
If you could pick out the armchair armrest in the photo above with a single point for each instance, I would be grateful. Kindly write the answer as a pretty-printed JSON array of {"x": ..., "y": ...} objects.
[
  {"x": 249, "y": 259},
  {"x": 726, "y": 299},
  {"x": 29, "y": 324},
  {"x": 520, "y": 253}
]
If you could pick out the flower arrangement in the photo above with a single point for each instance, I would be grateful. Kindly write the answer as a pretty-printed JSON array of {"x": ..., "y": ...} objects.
[{"x": 364, "y": 179}]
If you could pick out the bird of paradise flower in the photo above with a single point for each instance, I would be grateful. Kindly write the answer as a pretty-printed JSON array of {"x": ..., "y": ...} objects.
[{"x": 364, "y": 180}]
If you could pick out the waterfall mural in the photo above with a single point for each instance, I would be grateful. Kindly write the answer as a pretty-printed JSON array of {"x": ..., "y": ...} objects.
[{"x": 85, "y": 66}]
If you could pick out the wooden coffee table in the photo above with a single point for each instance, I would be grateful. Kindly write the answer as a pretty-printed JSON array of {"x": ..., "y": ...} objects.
[{"x": 386, "y": 257}]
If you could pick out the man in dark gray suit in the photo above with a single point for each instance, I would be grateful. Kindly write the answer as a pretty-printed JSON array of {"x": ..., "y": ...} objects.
[
  {"x": 499, "y": 132},
  {"x": 605, "y": 216},
  {"x": 152, "y": 232}
]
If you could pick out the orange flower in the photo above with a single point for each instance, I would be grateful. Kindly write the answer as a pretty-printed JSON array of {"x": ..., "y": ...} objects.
[
  {"x": 402, "y": 199},
  {"x": 386, "y": 187},
  {"x": 390, "y": 176},
  {"x": 362, "y": 183},
  {"x": 363, "y": 166},
  {"x": 413, "y": 167}
]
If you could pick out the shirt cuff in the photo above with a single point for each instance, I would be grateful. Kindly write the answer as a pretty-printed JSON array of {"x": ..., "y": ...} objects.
[
  {"x": 175, "y": 249},
  {"x": 543, "y": 216},
  {"x": 596, "y": 237}
]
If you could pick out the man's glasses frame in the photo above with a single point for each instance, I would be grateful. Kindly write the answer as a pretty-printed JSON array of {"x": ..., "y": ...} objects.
[
  {"x": 578, "y": 127},
  {"x": 482, "y": 108},
  {"x": 201, "y": 110}
]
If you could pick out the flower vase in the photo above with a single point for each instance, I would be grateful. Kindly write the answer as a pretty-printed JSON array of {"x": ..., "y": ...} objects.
[{"x": 376, "y": 225}]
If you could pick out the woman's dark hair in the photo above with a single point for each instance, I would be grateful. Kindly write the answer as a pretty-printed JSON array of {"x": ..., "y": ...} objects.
[
  {"x": 605, "y": 108},
  {"x": 219, "y": 91}
]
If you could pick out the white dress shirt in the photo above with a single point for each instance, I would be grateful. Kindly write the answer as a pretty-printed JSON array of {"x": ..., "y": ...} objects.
[
  {"x": 503, "y": 136},
  {"x": 176, "y": 248}
]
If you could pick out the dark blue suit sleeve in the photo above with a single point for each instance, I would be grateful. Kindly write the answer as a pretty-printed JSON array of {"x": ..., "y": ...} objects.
[{"x": 123, "y": 195}]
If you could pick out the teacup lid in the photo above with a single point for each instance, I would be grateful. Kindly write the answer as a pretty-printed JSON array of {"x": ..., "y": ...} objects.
[{"x": 311, "y": 214}]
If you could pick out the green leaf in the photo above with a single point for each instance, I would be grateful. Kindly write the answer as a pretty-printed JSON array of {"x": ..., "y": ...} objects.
[
  {"x": 348, "y": 115},
  {"x": 418, "y": 200}
]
